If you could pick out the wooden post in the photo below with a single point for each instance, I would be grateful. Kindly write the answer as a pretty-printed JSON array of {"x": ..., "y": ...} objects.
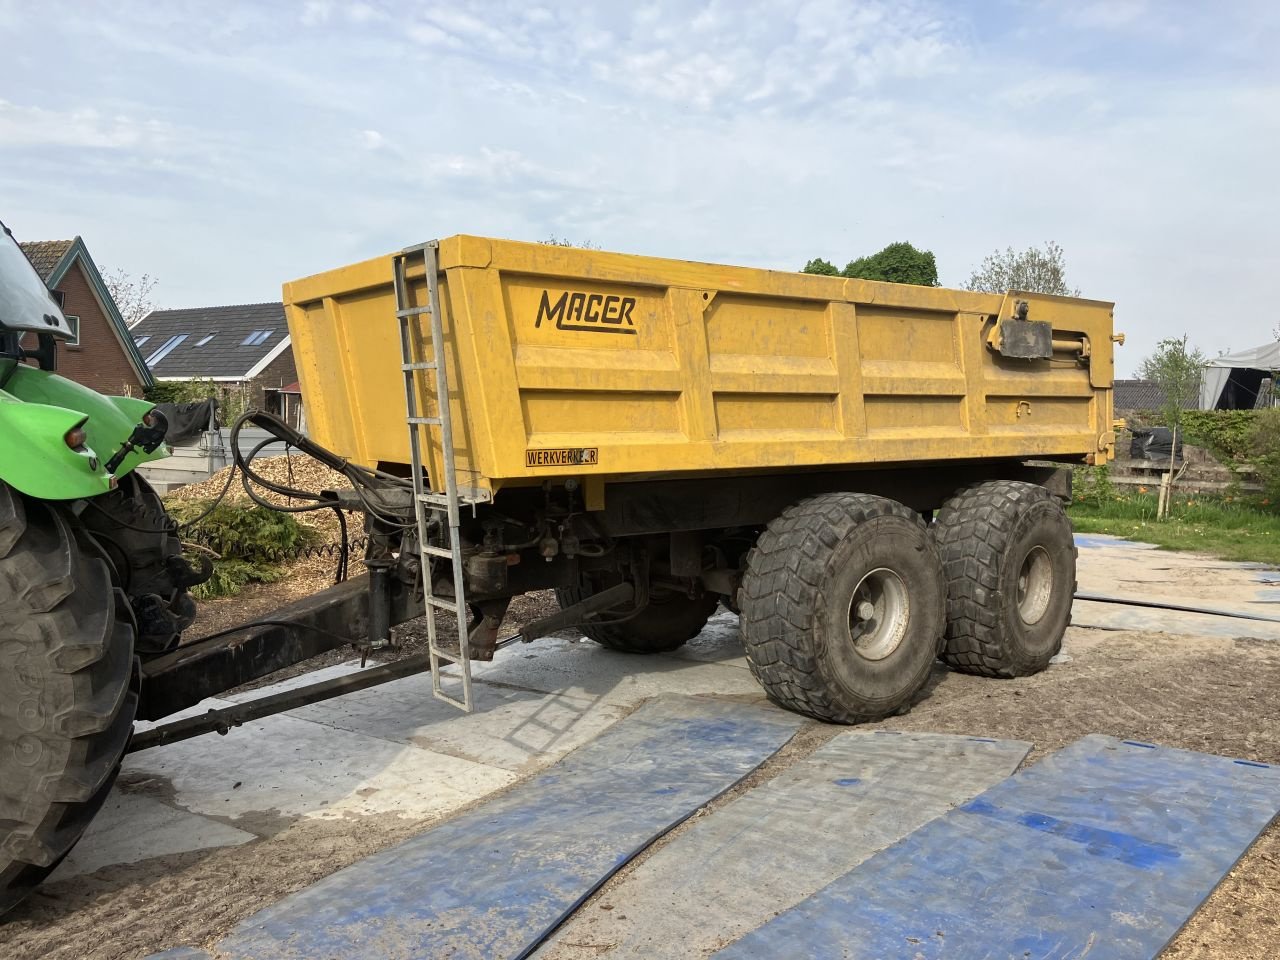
[{"x": 1166, "y": 483}]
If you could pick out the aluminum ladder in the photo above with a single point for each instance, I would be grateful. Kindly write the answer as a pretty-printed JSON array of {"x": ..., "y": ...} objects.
[{"x": 434, "y": 507}]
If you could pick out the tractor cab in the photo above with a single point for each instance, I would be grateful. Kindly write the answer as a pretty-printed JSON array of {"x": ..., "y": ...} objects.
[{"x": 26, "y": 306}]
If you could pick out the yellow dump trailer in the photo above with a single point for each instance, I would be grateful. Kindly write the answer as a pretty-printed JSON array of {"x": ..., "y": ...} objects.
[
  {"x": 626, "y": 366},
  {"x": 871, "y": 473}
]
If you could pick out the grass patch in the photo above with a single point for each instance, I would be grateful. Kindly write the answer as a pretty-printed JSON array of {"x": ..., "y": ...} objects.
[{"x": 1231, "y": 529}]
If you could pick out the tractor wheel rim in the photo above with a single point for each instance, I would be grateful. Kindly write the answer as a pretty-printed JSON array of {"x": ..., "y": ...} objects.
[
  {"x": 1035, "y": 585},
  {"x": 879, "y": 612}
]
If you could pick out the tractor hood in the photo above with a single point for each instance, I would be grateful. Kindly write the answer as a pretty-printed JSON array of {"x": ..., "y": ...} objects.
[{"x": 25, "y": 302}]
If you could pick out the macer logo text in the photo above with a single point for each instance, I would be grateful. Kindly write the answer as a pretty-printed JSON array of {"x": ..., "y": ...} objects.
[{"x": 588, "y": 312}]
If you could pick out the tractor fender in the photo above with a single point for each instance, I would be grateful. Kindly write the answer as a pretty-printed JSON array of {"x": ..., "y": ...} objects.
[{"x": 37, "y": 409}]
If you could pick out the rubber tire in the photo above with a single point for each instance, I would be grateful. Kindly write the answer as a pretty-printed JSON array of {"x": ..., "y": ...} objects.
[
  {"x": 669, "y": 621},
  {"x": 142, "y": 543},
  {"x": 68, "y": 687},
  {"x": 985, "y": 533},
  {"x": 795, "y": 597}
]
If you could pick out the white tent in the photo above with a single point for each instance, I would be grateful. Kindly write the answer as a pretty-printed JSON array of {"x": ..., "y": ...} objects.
[{"x": 1238, "y": 375}]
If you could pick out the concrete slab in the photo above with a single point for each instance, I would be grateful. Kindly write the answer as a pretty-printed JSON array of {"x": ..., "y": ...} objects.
[
  {"x": 1095, "y": 541},
  {"x": 490, "y": 884},
  {"x": 851, "y": 798},
  {"x": 287, "y": 767},
  {"x": 512, "y": 729},
  {"x": 719, "y": 642},
  {"x": 130, "y": 828},
  {"x": 586, "y": 670},
  {"x": 1110, "y": 616}
]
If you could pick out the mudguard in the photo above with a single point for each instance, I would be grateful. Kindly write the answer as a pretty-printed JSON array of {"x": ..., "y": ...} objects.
[{"x": 37, "y": 408}]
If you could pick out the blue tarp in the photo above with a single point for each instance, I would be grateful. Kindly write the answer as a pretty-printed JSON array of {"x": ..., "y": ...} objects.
[
  {"x": 1103, "y": 849},
  {"x": 739, "y": 866},
  {"x": 492, "y": 883}
]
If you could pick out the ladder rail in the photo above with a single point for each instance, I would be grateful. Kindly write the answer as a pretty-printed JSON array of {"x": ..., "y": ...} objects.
[{"x": 433, "y": 501}]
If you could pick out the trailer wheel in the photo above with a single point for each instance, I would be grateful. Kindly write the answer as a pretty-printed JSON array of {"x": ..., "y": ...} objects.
[
  {"x": 68, "y": 687},
  {"x": 667, "y": 623},
  {"x": 1010, "y": 562},
  {"x": 843, "y": 607}
]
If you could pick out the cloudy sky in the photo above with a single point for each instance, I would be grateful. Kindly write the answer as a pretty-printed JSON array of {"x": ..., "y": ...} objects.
[{"x": 227, "y": 147}]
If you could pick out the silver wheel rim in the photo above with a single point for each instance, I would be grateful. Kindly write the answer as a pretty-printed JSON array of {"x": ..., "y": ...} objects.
[
  {"x": 1035, "y": 585},
  {"x": 879, "y": 612}
]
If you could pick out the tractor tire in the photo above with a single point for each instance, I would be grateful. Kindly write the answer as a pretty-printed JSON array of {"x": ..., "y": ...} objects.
[
  {"x": 142, "y": 543},
  {"x": 68, "y": 687},
  {"x": 669, "y": 621},
  {"x": 1010, "y": 562},
  {"x": 843, "y": 607}
]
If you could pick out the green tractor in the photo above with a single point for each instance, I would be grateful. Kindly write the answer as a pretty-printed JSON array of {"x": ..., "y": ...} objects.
[{"x": 91, "y": 579}]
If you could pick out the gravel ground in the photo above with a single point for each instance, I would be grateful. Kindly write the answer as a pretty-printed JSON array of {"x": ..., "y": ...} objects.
[
  {"x": 1216, "y": 695},
  {"x": 1213, "y": 695}
]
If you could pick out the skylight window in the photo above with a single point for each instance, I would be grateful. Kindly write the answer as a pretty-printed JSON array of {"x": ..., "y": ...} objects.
[
  {"x": 256, "y": 338},
  {"x": 205, "y": 339},
  {"x": 166, "y": 349},
  {"x": 139, "y": 341}
]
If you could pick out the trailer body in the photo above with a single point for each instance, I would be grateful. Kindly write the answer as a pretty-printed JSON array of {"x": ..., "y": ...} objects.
[
  {"x": 872, "y": 474},
  {"x": 609, "y": 367}
]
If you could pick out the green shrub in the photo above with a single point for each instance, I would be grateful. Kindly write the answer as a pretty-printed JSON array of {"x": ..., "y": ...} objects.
[
  {"x": 251, "y": 540},
  {"x": 1092, "y": 485},
  {"x": 232, "y": 399},
  {"x": 1264, "y": 446},
  {"x": 1227, "y": 434}
]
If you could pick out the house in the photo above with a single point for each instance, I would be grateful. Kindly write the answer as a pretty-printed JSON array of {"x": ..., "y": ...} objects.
[
  {"x": 102, "y": 355},
  {"x": 244, "y": 349}
]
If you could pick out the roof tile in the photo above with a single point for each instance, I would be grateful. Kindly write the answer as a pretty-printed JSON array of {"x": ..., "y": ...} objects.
[
  {"x": 1147, "y": 395},
  {"x": 214, "y": 339},
  {"x": 46, "y": 254}
]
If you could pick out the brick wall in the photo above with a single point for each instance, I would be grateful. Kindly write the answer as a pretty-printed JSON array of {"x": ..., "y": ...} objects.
[
  {"x": 99, "y": 361},
  {"x": 281, "y": 372}
]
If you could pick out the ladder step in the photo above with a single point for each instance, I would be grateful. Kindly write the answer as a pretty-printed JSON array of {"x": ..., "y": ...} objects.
[
  {"x": 437, "y": 551},
  {"x": 449, "y": 605},
  {"x": 426, "y": 421},
  {"x": 435, "y": 499},
  {"x": 428, "y": 365},
  {"x": 413, "y": 312}
]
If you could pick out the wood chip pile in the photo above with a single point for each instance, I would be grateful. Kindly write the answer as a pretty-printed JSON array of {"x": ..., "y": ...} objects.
[{"x": 302, "y": 473}]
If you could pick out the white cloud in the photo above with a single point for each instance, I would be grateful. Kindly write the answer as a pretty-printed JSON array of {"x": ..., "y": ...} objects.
[
  {"x": 316, "y": 12},
  {"x": 751, "y": 132},
  {"x": 83, "y": 127}
]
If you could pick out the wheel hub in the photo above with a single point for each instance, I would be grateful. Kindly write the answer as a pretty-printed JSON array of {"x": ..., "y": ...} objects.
[
  {"x": 879, "y": 613},
  {"x": 1035, "y": 585}
]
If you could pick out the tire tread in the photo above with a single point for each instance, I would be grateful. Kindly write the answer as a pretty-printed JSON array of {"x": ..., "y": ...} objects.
[
  {"x": 973, "y": 530},
  {"x": 781, "y": 591}
]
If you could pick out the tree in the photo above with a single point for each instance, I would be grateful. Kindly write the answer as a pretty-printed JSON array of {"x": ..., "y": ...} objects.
[
  {"x": 1032, "y": 270},
  {"x": 896, "y": 263},
  {"x": 554, "y": 241},
  {"x": 821, "y": 267},
  {"x": 1177, "y": 370},
  {"x": 132, "y": 296}
]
